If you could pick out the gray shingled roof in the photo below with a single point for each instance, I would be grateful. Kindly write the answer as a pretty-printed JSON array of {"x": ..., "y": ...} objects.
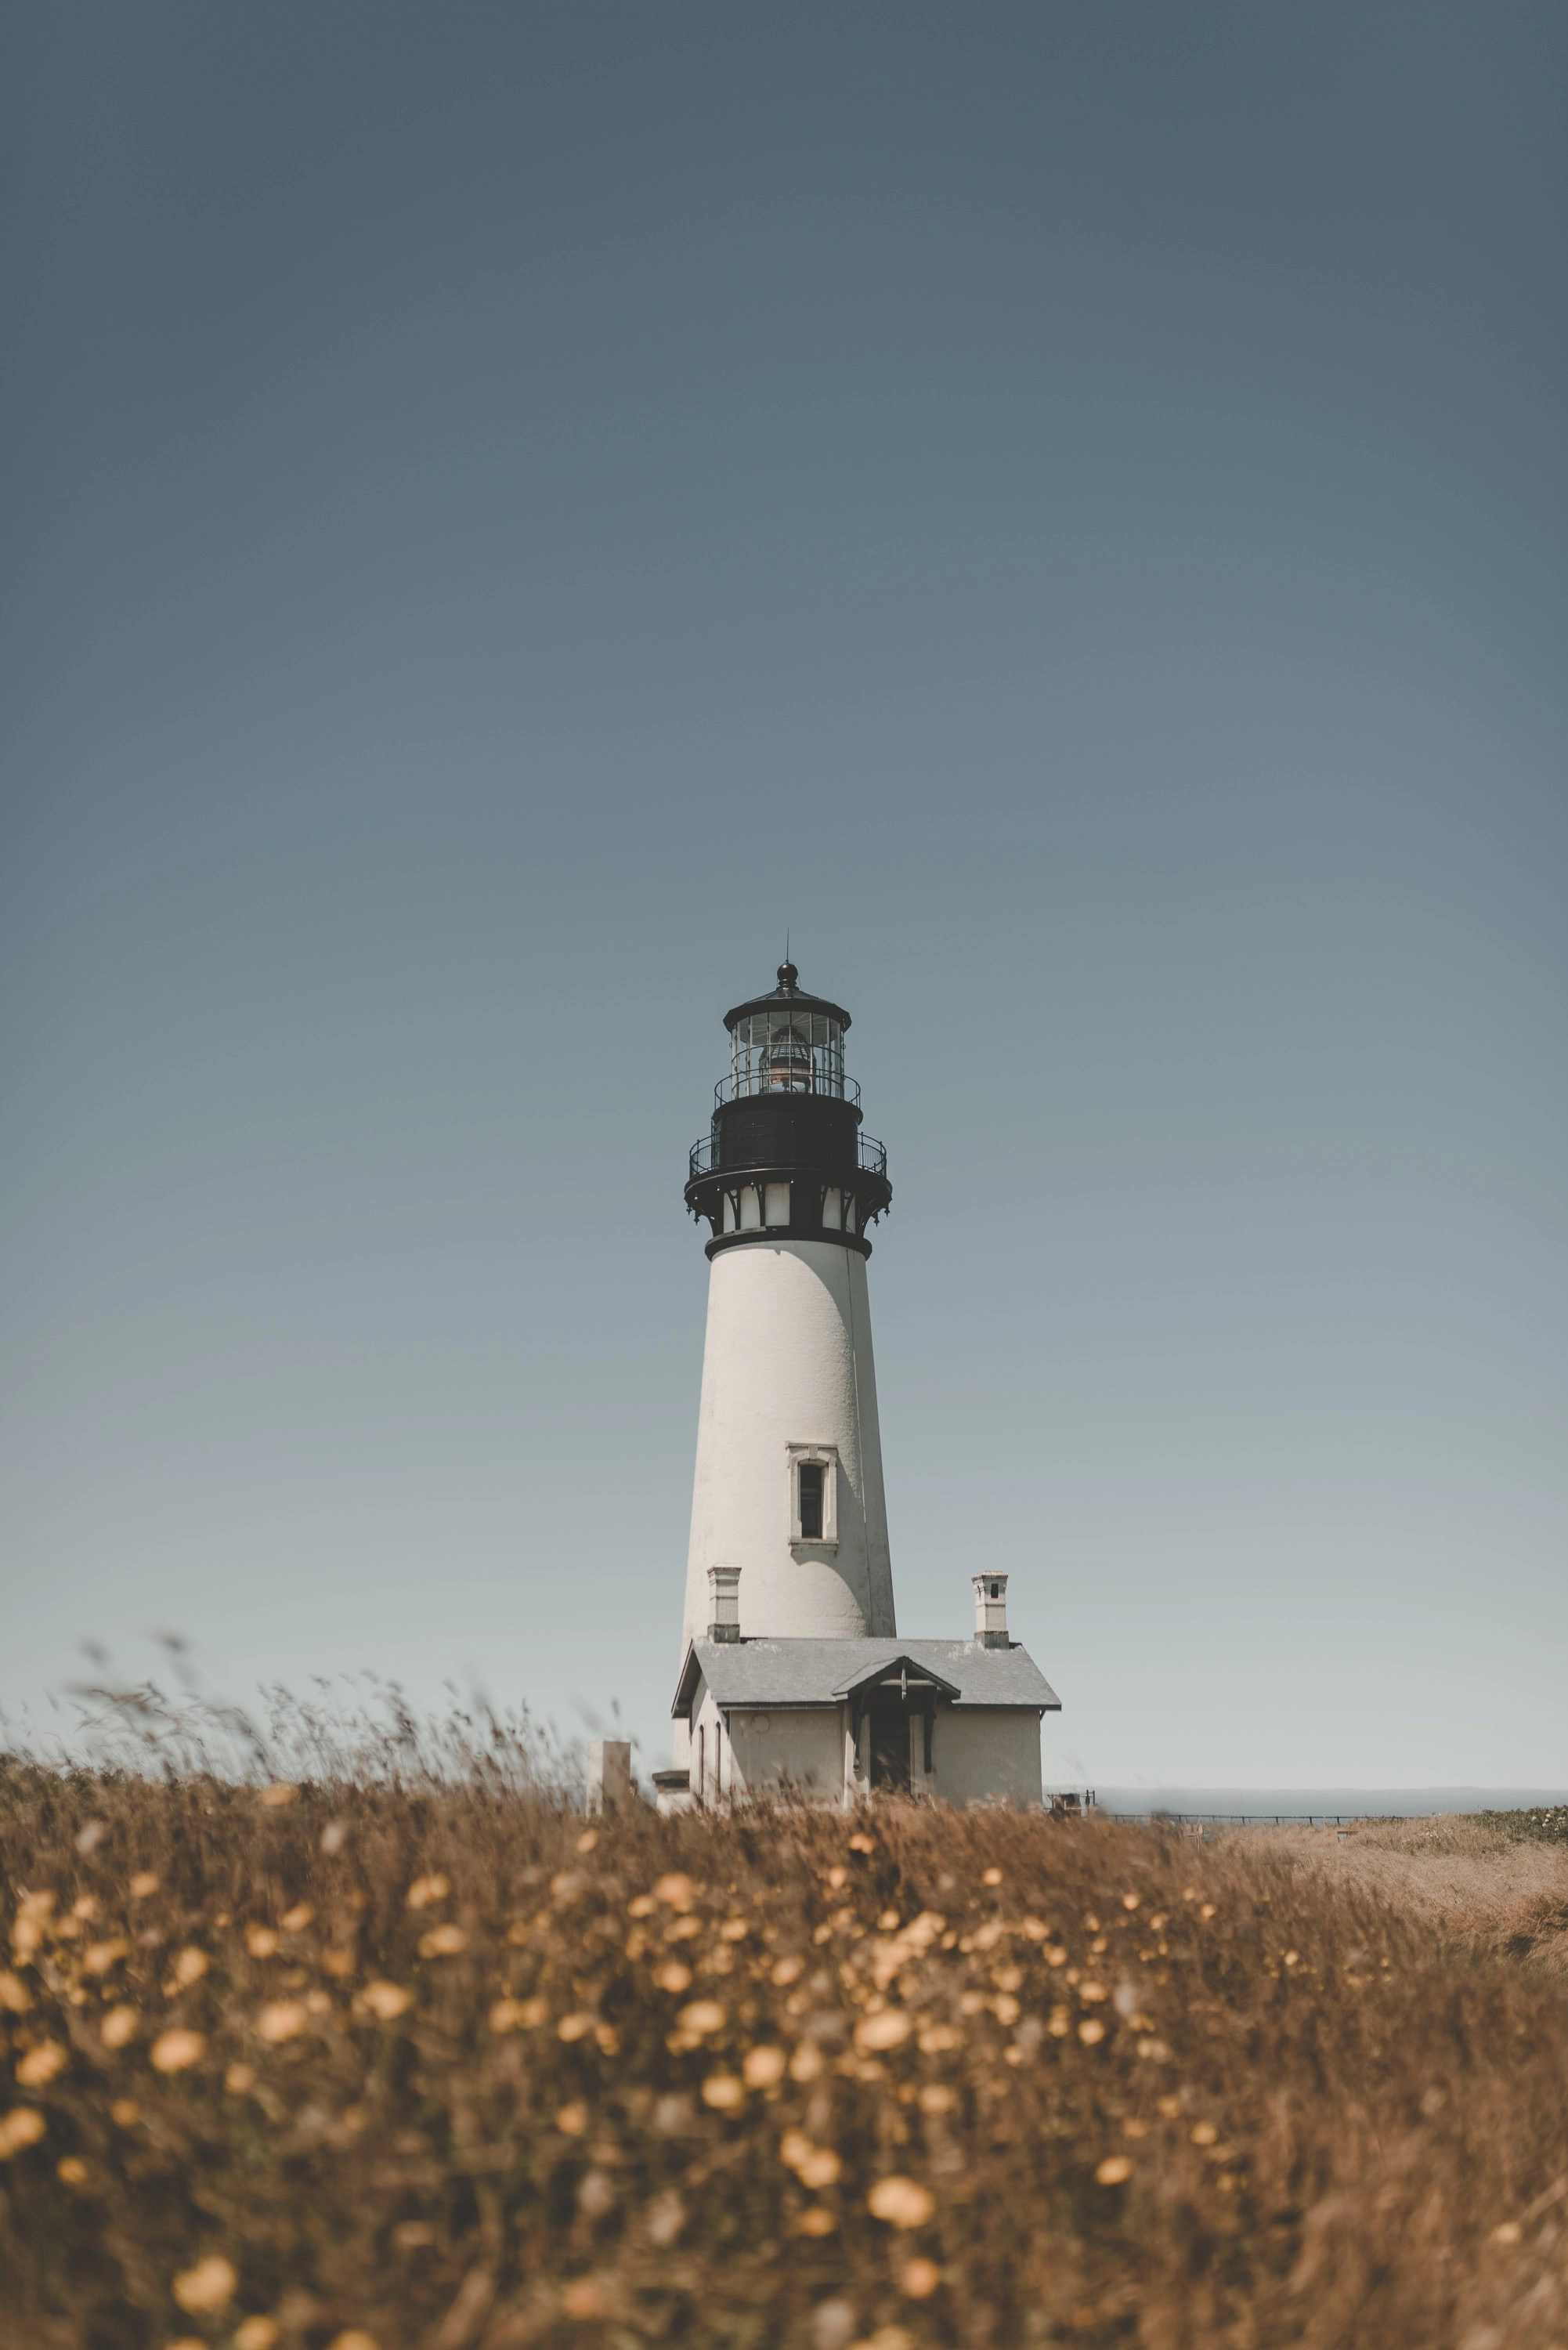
[{"x": 823, "y": 1672}]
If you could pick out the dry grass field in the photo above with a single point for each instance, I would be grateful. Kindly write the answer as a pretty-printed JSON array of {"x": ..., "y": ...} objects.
[
  {"x": 1484, "y": 1884},
  {"x": 402, "y": 2063}
]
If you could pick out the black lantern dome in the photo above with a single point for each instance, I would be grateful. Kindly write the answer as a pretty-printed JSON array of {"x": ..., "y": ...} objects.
[{"x": 786, "y": 1154}]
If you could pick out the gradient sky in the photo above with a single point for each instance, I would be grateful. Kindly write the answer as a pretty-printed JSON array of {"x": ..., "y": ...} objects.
[{"x": 504, "y": 510}]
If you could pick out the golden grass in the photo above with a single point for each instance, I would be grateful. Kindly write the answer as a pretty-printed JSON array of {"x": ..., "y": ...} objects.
[
  {"x": 372, "y": 2066},
  {"x": 1475, "y": 1880}
]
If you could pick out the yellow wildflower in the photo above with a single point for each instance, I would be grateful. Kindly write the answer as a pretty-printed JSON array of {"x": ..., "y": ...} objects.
[
  {"x": 901, "y": 2202},
  {"x": 256, "y": 2334},
  {"x": 174, "y": 2052},
  {"x": 814, "y": 2165},
  {"x": 443, "y": 1942},
  {"x": 24, "y": 2126},
  {"x": 41, "y": 2063},
  {"x": 937, "y": 2038},
  {"x": 208, "y": 2287},
  {"x": 281, "y": 2019},
  {"x": 584, "y": 2297},
  {"x": 664, "y": 2219},
  {"x": 386, "y": 1999}
]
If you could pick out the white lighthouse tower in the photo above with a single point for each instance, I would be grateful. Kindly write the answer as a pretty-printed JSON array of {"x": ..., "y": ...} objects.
[
  {"x": 789, "y": 1453},
  {"x": 792, "y": 1671}
]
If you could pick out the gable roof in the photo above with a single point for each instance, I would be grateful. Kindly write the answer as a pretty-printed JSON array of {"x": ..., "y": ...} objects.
[{"x": 783, "y": 1673}]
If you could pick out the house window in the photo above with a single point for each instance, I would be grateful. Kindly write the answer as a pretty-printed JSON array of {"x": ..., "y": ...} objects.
[{"x": 814, "y": 1495}]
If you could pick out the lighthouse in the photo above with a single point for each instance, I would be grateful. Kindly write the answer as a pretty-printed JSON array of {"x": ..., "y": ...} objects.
[
  {"x": 788, "y": 1486},
  {"x": 793, "y": 1675}
]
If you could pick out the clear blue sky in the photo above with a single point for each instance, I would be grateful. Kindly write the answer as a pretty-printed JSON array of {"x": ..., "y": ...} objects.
[{"x": 504, "y": 510}]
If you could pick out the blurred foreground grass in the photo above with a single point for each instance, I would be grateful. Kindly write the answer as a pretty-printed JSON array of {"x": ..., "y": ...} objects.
[{"x": 433, "y": 2061}]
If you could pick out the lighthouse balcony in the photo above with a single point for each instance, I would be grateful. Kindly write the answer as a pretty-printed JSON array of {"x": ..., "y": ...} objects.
[
  {"x": 709, "y": 1157},
  {"x": 821, "y": 1187}
]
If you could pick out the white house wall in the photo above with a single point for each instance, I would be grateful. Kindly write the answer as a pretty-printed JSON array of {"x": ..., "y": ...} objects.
[
  {"x": 709, "y": 1753},
  {"x": 800, "y": 1750},
  {"x": 983, "y": 1755},
  {"x": 788, "y": 1361}
]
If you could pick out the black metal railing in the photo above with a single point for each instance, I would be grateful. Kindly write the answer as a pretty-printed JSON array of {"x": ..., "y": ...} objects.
[
  {"x": 870, "y": 1158},
  {"x": 792, "y": 1078}
]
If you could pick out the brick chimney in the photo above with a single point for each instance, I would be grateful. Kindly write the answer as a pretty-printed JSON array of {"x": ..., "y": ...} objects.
[
  {"x": 991, "y": 1611},
  {"x": 724, "y": 1604}
]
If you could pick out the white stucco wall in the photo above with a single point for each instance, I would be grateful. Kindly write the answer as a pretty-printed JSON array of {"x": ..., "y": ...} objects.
[
  {"x": 799, "y": 1749},
  {"x": 708, "y": 1746},
  {"x": 788, "y": 1362},
  {"x": 981, "y": 1753}
]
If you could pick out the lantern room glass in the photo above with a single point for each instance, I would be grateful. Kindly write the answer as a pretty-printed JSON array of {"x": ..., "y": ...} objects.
[{"x": 787, "y": 1050}]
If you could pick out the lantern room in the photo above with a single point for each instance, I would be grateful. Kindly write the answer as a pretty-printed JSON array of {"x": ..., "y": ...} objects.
[
  {"x": 786, "y": 1043},
  {"x": 784, "y": 1152}
]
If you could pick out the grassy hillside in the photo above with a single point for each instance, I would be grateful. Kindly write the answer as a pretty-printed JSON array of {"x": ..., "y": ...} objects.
[{"x": 355, "y": 2065}]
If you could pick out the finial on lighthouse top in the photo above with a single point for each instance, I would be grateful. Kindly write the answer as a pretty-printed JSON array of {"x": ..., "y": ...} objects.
[{"x": 789, "y": 991}]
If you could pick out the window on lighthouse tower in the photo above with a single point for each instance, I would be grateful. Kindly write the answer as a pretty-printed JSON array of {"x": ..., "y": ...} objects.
[{"x": 814, "y": 1495}]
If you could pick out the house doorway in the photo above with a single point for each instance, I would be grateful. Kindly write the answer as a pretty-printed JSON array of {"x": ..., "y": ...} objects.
[{"x": 890, "y": 1718}]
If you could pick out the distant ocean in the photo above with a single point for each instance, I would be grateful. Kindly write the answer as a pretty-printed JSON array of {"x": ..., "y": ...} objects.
[{"x": 1395, "y": 1803}]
